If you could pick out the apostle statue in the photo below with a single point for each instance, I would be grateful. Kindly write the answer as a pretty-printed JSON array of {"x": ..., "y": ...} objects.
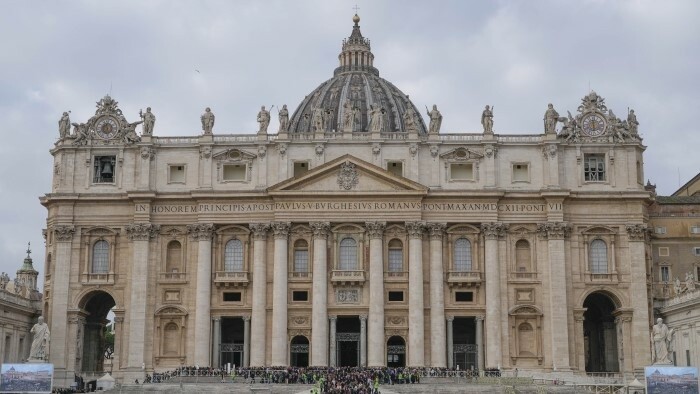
[
  {"x": 284, "y": 119},
  {"x": 264, "y": 120},
  {"x": 661, "y": 337},
  {"x": 148, "y": 121},
  {"x": 435, "y": 120},
  {"x": 317, "y": 118},
  {"x": 677, "y": 289},
  {"x": 40, "y": 344},
  {"x": 64, "y": 126},
  {"x": 409, "y": 120},
  {"x": 487, "y": 120},
  {"x": 550, "y": 120},
  {"x": 689, "y": 282},
  {"x": 348, "y": 116},
  {"x": 207, "y": 121},
  {"x": 376, "y": 118},
  {"x": 632, "y": 122}
]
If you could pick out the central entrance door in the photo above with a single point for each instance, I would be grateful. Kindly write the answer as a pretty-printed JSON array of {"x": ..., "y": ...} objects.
[
  {"x": 231, "y": 348},
  {"x": 347, "y": 340},
  {"x": 465, "y": 351}
]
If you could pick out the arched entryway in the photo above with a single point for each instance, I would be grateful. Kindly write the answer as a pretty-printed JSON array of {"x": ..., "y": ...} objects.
[
  {"x": 299, "y": 351},
  {"x": 396, "y": 352},
  {"x": 96, "y": 342},
  {"x": 599, "y": 334}
]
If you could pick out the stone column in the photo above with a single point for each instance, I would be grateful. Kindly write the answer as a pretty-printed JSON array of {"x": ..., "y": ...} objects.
[
  {"x": 217, "y": 343},
  {"x": 416, "y": 335},
  {"x": 333, "y": 320},
  {"x": 479, "y": 320},
  {"x": 280, "y": 348},
  {"x": 202, "y": 234},
  {"x": 246, "y": 341},
  {"x": 637, "y": 235},
  {"x": 58, "y": 322},
  {"x": 319, "y": 306},
  {"x": 437, "y": 297},
  {"x": 363, "y": 340},
  {"x": 492, "y": 231},
  {"x": 375, "y": 337},
  {"x": 578, "y": 336},
  {"x": 140, "y": 235},
  {"x": 558, "y": 313},
  {"x": 450, "y": 338},
  {"x": 259, "y": 305}
]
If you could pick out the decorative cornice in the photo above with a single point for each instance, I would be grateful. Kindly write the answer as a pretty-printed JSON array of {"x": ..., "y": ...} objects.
[
  {"x": 553, "y": 230},
  {"x": 415, "y": 229},
  {"x": 200, "y": 231},
  {"x": 64, "y": 233},
  {"x": 280, "y": 229},
  {"x": 637, "y": 232},
  {"x": 494, "y": 230},
  {"x": 320, "y": 229},
  {"x": 436, "y": 230},
  {"x": 259, "y": 230},
  {"x": 142, "y": 231},
  {"x": 375, "y": 229}
]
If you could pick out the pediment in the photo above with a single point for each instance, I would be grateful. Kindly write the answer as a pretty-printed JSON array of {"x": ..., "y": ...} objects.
[
  {"x": 348, "y": 175},
  {"x": 462, "y": 153},
  {"x": 234, "y": 154}
]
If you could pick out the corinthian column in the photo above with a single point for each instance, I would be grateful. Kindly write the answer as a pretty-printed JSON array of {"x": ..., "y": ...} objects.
[
  {"x": 375, "y": 336},
  {"x": 416, "y": 331},
  {"x": 259, "y": 304},
  {"x": 279, "y": 295},
  {"x": 437, "y": 297},
  {"x": 319, "y": 306},
  {"x": 63, "y": 235},
  {"x": 555, "y": 232},
  {"x": 636, "y": 237},
  {"x": 492, "y": 231},
  {"x": 202, "y": 234}
]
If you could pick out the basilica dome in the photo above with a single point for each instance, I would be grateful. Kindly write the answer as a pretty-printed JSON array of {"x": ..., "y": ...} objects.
[{"x": 356, "y": 99}]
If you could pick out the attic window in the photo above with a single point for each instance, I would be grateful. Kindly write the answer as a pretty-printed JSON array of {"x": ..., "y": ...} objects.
[
  {"x": 176, "y": 173},
  {"x": 521, "y": 172},
  {"x": 462, "y": 171},
  {"x": 234, "y": 172},
  {"x": 300, "y": 168},
  {"x": 395, "y": 167}
]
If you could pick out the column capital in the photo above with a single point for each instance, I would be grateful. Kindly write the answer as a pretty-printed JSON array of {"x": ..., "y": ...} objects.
[
  {"x": 436, "y": 230},
  {"x": 332, "y": 318},
  {"x": 375, "y": 229},
  {"x": 415, "y": 229},
  {"x": 494, "y": 230},
  {"x": 200, "y": 231},
  {"x": 246, "y": 317},
  {"x": 64, "y": 233},
  {"x": 554, "y": 230},
  {"x": 320, "y": 229},
  {"x": 142, "y": 231},
  {"x": 363, "y": 318},
  {"x": 479, "y": 317},
  {"x": 637, "y": 232},
  {"x": 259, "y": 230},
  {"x": 280, "y": 229},
  {"x": 449, "y": 318}
]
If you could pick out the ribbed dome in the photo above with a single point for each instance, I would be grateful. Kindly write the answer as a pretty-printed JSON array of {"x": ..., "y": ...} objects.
[{"x": 347, "y": 101}]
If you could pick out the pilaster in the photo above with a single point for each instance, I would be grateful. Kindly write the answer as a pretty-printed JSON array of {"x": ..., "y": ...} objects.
[
  {"x": 202, "y": 234},
  {"x": 437, "y": 300},
  {"x": 333, "y": 320},
  {"x": 416, "y": 317},
  {"x": 637, "y": 236},
  {"x": 259, "y": 304},
  {"x": 376, "y": 342},
  {"x": 279, "y": 294},
  {"x": 492, "y": 232},
  {"x": 319, "y": 306},
  {"x": 63, "y": 235}
]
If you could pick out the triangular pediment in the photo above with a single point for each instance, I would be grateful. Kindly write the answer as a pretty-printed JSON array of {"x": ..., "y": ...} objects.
[
  {"x": 462, "y": 153},
  {"x": 233, "y": 154},
  {"x": 348, "y": 175}
]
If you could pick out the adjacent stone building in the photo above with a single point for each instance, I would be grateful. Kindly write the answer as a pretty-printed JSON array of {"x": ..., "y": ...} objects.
[{"x": 358, "y": 234}]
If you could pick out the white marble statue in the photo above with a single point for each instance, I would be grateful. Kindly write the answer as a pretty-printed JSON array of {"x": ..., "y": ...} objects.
[
  {"x": 347, "y": 116},
  {"x": 487, "y": 120},
  {"x": 376, "y": 116},
  {"x": 551, "y": 116},
  {"x": 689, "y": 282},
  {"x": 661, "y": 337},
  {"x": 64, "y": 126},
  {"x": 40, "y": 344},
  {"x": 284, "y": 118},
  {"x": 149, "y": 121},
  {"x": 409, "y": 120},
  {"x": 435, "y": 120},
  {"x": 264, "y": 120},
  {"x": 207, "y": 121},
  {"x": 632, "y": 122}
]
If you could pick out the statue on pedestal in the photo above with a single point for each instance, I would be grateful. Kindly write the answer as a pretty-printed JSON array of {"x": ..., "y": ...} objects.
[
  {"x": 149, "y": 121},
  {"x": 661, "y": 337},
  {"x": 64, "y": 126},
  {"x": 689, "y": 282},
  {"x": 487, "y": 120},
  {"x": 409, "y": 120},
  {"x": 207, "y": 121},
  {"x": 40, "y": 344},
  {"x": 348, "y": 116},
  {"x": 284, "y": 119},
  {"x": 435, "y": 120},
  {"x": 264, "y": 120},
  {"x": 551, "y": 116}
]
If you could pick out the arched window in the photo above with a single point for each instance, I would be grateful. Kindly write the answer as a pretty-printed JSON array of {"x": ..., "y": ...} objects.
[
  {"x": 348, "y": 254},
  {"x": 233, "y": 256},
  {"x": 100, "y": 257},
  {"x": 301, "y": 256},
  {"x": 463, "y": 255},
  {"x": 395, "y": 256},
  {"x": 523, "y": 262},
  {"x": 599, "y": 257},
  {"x": 173, "y": 257},
  {"x": 170, "y": 340}
]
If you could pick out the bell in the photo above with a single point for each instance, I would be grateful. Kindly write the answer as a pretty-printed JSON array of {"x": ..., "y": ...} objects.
[{"x": 106, "y": 169}]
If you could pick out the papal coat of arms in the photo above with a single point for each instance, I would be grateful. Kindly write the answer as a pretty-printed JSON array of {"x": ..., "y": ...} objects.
[{"x": 347, "y": 177}]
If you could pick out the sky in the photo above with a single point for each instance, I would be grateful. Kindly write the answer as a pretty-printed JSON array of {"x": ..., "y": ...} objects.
[{"x": 179, "y": 57}]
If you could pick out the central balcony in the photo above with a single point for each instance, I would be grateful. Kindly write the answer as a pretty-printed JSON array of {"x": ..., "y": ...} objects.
[
  {"x": 463, "y": 278},
  {"x": 347, "y": 277},
  {"x": 231, "y": 278}
]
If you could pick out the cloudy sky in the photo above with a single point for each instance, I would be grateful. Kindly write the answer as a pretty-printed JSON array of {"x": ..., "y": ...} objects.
[{"x": 460, "y": 55}]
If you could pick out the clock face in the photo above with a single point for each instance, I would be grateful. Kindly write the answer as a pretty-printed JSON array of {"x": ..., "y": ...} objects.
[
  {"x": 593, "y": 125},
  {"x": 106, "y": 127}
]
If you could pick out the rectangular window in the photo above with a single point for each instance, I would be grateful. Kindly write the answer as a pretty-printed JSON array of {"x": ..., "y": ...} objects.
[
  {"x": 687, "y": 357},
  {"x": 234, "y": 296},
  {"x": 521, "y": 172},
  {"x": 660, "y": 230},
  {"x": 395, "y": 167},
  {"x": 663, "y": 251},
  {"x": 104, "y": 169},
  {"x": 300, "y": 296},
  {"x": 396, "y": 296},
  {"x": 665, "y": 274},
  {"x": 462, "y": 171},
  {"x": 464, "y": 296},
  {"x": 176, "y": 173},
  {"x": 395, "y": 260},
  {"x": 696, "y": 251},
  {"x": 695, "y": 229},
  {"x": 301, "y": 260},
  {"x": 594, "y": 168},
  {"x": 234, "y": 172},
  {"x": 300, "y": 168}
]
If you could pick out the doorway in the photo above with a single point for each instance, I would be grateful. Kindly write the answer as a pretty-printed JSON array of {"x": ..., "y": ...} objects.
[
  {"x": 464, "y": 348},
  {"x": 347, "y": 339},
  {"x": 599, "y": 334},
  {"x": 299, "y": 351},
  {"x": 231, "y": 348},
  {"x": 396, "y": 352}
]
